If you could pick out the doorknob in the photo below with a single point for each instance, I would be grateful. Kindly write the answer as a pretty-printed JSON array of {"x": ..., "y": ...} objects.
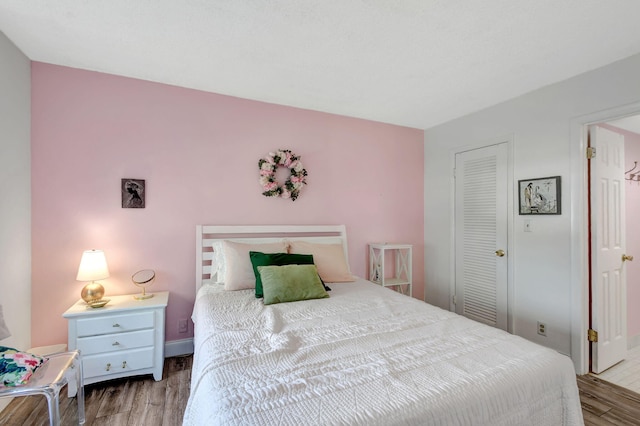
[
  {"x": 500, "y": 253},
  {"x": 625, "y": 257}
]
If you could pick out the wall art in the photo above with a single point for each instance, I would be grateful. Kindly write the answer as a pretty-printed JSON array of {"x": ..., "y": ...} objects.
[
  {"x": 540, "y": 195},
  {"x": 133, "y": 193}
]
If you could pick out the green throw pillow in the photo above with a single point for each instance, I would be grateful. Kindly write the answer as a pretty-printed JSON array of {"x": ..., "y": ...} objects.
[
  {"x": 275, "y": 259},
  {"x": 290, "y": 283}
]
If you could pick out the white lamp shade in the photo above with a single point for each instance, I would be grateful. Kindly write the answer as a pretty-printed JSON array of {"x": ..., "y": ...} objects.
[{"x": 93, "y": 266}]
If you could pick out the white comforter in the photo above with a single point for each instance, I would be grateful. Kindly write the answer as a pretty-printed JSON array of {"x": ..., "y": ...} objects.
[{"x": 370, "y": 356}]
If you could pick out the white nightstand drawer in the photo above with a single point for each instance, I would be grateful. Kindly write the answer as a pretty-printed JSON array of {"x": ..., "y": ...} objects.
[
  {"x": 117, "y": 362},
  {"x": 115, "y": 323},
  {"x": 116, "y": 342}
]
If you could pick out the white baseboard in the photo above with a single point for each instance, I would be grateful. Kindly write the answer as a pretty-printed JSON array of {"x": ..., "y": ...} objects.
[
  {"x": 178, "y": 347},
  {"x": 633, "y": 341}
]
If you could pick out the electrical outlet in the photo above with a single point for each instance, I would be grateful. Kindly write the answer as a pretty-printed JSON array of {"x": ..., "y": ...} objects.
[
  {"x": 182, "y": 325},
  {"x": 542, "y": 328}
]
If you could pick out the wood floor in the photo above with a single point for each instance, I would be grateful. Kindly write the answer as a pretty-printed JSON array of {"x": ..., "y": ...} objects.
[
  {"x": 604, "y": 403},
  {"x": 142, "y": 401}
]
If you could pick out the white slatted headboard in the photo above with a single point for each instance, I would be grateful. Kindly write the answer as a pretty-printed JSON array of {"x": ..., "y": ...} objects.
[{"x": 206, "y": 235}]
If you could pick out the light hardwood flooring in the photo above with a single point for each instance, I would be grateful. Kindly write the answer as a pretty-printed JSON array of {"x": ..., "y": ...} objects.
[
  {"x": 141, "y": 401},
  {"x": 626, "y": 373}
]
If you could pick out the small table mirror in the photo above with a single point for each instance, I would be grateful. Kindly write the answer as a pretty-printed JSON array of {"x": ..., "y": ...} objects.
[{"x": 143, "y": 279}]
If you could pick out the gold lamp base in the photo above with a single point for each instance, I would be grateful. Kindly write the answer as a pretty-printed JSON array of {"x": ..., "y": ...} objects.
[{"x": 92, "y": 292}]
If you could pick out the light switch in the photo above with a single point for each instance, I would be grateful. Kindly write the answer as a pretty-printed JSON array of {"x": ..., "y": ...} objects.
[{"x": 528, "y": 225}]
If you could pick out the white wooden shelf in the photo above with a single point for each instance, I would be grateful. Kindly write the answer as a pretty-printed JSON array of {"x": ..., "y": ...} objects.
[{"x": 400, "y": 277}]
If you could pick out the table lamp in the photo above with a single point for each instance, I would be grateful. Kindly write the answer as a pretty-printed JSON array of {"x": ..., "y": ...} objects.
[{"x": 93, "y": 266}]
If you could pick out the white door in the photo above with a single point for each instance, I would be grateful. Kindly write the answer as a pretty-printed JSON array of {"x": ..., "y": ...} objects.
[
  {"x": 608, "y": 282},
  {"x": 481, "y": 234}
]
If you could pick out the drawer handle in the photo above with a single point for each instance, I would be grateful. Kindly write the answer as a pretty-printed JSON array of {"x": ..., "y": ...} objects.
[
  {"x": 116, "y": 325},
  {"x": 115, "y": 343},
  {"x": 124, "y": 364},
  {"x": 109, "y": 367}
]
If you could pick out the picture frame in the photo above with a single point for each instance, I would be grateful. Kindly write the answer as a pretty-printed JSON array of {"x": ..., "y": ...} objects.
[
  {"x": 133, "y": 193},
  {"x": 540, "y": 196}
]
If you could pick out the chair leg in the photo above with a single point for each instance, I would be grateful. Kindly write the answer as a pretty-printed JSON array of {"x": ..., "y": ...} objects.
[
  {"x": 79, "y": 376},
  {"x": 54, "y": 408}
]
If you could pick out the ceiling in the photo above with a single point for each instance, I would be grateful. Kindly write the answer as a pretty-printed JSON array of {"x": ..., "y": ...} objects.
[
  {"x": 414, "y": 63},
  {"x": 631, "y": 124}
]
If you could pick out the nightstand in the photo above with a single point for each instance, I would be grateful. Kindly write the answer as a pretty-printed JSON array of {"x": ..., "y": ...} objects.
[
  {"x": 124, "y": 338},
  {"x": 401, "y": 277}
]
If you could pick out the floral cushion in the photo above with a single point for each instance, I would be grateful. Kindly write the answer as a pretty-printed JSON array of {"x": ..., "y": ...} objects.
[{"x": 16, "y": 368}]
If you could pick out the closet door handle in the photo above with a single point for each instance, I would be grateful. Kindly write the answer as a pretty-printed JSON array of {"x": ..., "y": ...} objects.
[
  {"x": 500, "y": 253},
  {"x": 626, "y": 257}
]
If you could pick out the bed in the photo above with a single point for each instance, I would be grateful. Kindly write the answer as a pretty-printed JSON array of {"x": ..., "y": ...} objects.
[{"x": 365, "y": 355}]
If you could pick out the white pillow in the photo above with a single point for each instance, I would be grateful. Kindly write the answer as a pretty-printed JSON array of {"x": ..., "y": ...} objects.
[
  {"x": 238, "y": 274},
  {"x": 218, "y": 268},
  {"x": 329, "y": 258}
]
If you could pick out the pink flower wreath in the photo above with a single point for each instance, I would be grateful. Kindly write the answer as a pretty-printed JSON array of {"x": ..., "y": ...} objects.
[{"x": 293, "y": 184}]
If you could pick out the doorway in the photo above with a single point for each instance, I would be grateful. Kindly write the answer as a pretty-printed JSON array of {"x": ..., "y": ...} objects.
[
  {"x": 621, "y": 372},
  {"x": 580, "y": 230}
]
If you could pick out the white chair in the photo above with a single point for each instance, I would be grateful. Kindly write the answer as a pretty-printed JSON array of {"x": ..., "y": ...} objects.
[{"x": 61, "y": 368}]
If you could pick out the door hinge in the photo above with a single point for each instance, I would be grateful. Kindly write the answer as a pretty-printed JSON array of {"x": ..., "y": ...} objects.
[
  {"x": 591, "y": 152},
  {"x": 454, "y": 172},
  {"x": 592, "y": 335},
  {"x": 453, "y": 299}
]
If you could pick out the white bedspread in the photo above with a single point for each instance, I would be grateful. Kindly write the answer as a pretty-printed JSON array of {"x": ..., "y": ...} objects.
[{"x": 369, "y": 356}]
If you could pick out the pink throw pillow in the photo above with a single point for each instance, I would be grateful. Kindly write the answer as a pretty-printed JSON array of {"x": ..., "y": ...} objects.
[{"x": 328, "y": 258}]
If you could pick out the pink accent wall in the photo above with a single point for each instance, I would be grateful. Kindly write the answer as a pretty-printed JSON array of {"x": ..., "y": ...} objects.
[{"x": 198, "y": 152}]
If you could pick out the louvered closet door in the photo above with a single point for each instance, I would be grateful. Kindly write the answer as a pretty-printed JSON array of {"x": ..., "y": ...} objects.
[{"x": 481, "y": 235}]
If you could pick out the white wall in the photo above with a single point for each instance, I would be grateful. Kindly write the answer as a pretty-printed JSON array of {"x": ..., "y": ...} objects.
[
  {"x": 541, "y": 126},
  {"x": 15, "y": 193}
]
